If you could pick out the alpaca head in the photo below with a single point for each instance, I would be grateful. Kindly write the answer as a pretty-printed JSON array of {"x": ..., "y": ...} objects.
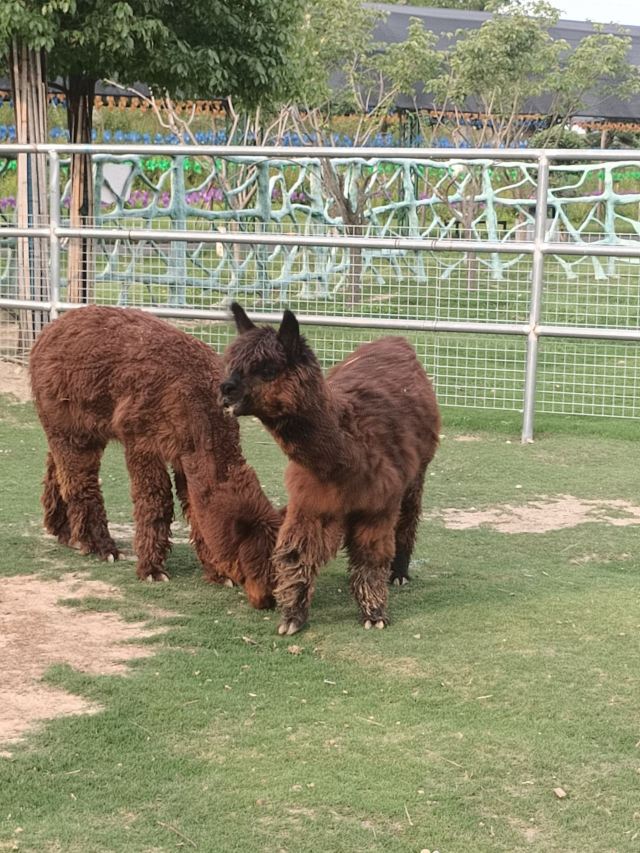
[
  {"x": 244, "y": 525},
  {"x": 266, "y": 372}
]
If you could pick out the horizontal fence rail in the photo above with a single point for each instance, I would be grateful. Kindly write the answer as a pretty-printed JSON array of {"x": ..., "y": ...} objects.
[{"x": 462, "y": 251}]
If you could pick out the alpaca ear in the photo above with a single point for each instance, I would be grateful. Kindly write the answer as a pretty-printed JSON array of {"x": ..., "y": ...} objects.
[
  {"x": 243, "y": 323},
  {"x": 289, "y": 331}
]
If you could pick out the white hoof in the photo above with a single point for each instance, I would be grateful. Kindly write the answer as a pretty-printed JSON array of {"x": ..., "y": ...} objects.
[
  {"x": 368, "y": 624},
  {"x": 110, "y": 558},
  {"x": 229, "y": 582}
]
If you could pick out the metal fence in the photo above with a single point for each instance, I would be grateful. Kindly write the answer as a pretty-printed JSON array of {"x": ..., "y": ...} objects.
[{"x": 516, "y": 274}]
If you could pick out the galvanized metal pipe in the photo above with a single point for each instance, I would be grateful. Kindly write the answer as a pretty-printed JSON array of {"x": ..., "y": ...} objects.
[
  {"x": 279, "y": 239},
  {"x": 315, "y": 151},
  {"x": 54, "y": 240},
  {"x": 622, "y": 249},
  {"x": 538, "y": 248},
  {"x": 537, "y": 280}
]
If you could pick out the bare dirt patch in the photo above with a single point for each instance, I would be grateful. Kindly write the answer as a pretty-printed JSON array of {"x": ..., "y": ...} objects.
[
  {"x": 14, "y": 380},
  {"x": 124, "y": 533},
  {"x": 543, "y": 515},
  {"x": 37, "y": 631}
]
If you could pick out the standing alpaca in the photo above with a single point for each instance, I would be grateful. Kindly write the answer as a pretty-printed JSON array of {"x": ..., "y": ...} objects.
[
  {"x": 101, "y": 373},
  {"x": 358, "y": 442}
]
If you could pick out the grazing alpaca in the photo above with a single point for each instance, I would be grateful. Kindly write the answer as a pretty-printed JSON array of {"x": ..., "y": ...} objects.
[
  {"x": 101, "y": 373},
  {"x": 358, "y": 442}
]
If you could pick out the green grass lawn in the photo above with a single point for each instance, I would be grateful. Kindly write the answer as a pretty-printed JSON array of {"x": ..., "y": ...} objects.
[{"x": 510, "y": 669}]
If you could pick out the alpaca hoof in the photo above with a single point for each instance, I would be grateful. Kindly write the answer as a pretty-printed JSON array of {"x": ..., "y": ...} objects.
[
  {"x": 111, "y": 558},
  {"x": 288, "y": 628},
  {"x": 375, "y": 623},
  {"x": 157, "y": 577},
  {"x": 213, "y": 576},
  {"x": 401, "y": 580}
]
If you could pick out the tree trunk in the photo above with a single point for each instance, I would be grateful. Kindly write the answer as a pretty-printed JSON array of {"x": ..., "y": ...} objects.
[
  {"x": 348, "y": 194},
  {"x": 469, "y": 212},
  {"x": 80, "y": 94},
  {"x": 28, "y": 82},
  {"x": 601, "y": 211}
]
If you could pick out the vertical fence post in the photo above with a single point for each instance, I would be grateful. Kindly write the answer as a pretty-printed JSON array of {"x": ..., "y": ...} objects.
[
  {"x": 537, "y": 282},
  {"x": 54, "y": 241},
  {"x": 263, "y": 219},
  {"x": 178, "y": 249}
]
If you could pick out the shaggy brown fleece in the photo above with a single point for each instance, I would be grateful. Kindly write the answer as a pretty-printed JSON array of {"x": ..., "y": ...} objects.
[
  {"x": 358, "y": 442},
  {"x": 103, "y": 373}
]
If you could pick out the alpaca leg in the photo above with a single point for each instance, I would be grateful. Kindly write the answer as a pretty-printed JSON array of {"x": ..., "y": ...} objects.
[
  {"x": 370, "y": 544},
  {"x": 76, "y": 465},
  {"x": 303, "y": 546},
  {"x": 195, "y": 476},
  {"x": 152, "y": 512},
  {"x": 56, "y": 521},
  {"x": 197, "y": 540},
  {"x": 406, "y": 531}
]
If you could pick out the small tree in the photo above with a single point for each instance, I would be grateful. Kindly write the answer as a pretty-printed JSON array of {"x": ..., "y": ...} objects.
[
  {"x": 24, "y": 33},
  {"x": 493, "y": 78},
  {"x": 210, "y": 48},
  {"x": 236, "y": 180},
  {"x": 339, "y": 72}
]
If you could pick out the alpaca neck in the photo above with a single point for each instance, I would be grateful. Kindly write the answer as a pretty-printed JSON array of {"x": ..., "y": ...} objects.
[{"x": 313, "y": 437}]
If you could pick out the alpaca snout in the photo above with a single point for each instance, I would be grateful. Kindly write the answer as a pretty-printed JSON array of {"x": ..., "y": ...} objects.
[{"x": 230, "y": 394}]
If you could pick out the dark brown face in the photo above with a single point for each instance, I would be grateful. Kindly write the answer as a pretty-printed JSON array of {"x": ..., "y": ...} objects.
[
  {"x": 253, "y": 364},
  {"x": 259, "y": 368}
]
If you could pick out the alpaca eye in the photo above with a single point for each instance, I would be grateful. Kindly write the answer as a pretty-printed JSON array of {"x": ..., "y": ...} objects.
[{"x": 268, "y": 372}]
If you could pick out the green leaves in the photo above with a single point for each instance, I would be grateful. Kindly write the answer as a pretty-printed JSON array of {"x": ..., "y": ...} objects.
[
  {"x": 206, "y": 48},
  {"x": 334, "y": 53},
  {"x": 28, "y": 21},
  {"x": 503, "y": 68},
  {"x": 414, "y": 61}
]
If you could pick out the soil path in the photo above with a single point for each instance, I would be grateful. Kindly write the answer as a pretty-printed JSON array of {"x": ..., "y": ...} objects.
[{"x": 37, "y": 631}]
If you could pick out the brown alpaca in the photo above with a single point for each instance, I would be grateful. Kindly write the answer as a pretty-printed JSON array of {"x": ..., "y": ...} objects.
[
  {"x": 101, "y": 373},
  {"x": 358, "y": 442}
]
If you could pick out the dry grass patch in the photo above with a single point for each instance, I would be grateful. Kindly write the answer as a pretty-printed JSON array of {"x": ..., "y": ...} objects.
[
  {"x": 543, "y": 515},
  {"x": 37, "y": 631}
]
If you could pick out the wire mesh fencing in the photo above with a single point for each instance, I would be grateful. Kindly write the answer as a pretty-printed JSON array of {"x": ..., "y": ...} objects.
[{"x": 515, "y": 274}]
